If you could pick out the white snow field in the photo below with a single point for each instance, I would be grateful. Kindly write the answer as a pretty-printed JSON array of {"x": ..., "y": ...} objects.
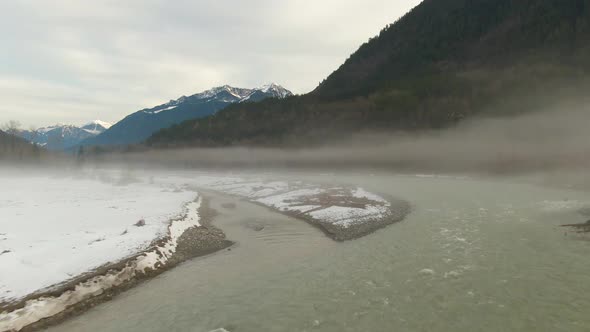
[{"x": 53, "y": 229}]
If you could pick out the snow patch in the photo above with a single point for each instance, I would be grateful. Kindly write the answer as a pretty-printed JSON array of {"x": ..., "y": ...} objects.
[
  {"x": 162, "y": 110},
  {"x": 347, "y": 216}
]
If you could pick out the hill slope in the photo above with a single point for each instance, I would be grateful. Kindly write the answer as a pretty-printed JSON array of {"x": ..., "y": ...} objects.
[
  {"x": 140, "y": 125},
  {"x": 443, "y": 61},
  {"x": 13, "y": 148}
]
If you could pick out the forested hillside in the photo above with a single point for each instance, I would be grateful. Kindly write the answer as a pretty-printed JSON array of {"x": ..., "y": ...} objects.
[
  {"x": 13, "y": 148},
  {"x": 442, "y": 62}
]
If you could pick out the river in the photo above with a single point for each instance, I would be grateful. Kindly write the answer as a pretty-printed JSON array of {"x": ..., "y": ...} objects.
[{"x": 474, "y": 254}]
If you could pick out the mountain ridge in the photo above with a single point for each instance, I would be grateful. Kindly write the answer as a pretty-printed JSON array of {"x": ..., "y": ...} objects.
[
  {"x": 138, "y": 126},
  {"x": 63, "y": 136}
]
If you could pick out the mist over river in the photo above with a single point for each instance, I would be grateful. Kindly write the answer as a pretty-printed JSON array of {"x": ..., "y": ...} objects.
[{"x": 474, "y": 254}]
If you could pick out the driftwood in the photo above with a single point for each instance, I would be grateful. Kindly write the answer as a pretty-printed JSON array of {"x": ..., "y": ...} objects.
[{"x": 580, "y": 228}]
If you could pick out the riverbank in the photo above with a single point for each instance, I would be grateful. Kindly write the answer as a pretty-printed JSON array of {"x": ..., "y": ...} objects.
[
  {"x": 71, "y": 298},
  {"x": 57, "y": 226}
]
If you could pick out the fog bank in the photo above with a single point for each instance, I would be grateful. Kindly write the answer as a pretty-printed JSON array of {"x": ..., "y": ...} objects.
[{"x": 549, "y": 140}]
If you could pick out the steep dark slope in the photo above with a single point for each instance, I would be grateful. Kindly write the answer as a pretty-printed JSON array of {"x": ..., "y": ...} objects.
[
  {"x": 441, "y": 32},
  {"x": 443, "y": 61},
  {"x": 13, "y": 148}
]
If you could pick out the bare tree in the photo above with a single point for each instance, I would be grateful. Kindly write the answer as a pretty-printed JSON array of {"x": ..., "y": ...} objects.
[{"x": 11, "y": 127}]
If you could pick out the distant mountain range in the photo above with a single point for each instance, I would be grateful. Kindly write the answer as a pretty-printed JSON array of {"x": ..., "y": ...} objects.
[
  {"x": 62, "y": 137},
  {"x": 140, "y": 125}
]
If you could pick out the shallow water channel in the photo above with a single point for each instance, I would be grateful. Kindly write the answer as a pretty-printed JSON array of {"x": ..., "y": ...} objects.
[{"x": 473, "y": 255}]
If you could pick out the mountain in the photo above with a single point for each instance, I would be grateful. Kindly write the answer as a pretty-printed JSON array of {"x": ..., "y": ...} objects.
[
  {"x": 96, "y": 127},
  {"x": 62, "y": 137},
  {"x": 270, "y": 90},
  {"x": 444, "y": 61},
  {"x": 140, "y": 125}
]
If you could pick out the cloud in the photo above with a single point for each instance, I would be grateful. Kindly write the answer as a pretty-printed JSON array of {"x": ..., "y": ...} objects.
[{"x": 73, "y": 61}]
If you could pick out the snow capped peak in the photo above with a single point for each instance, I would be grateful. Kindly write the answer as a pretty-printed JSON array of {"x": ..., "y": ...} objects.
[
  {"x": 48, "y": 128},
  {"x": 96, "y": 127},
  {"x": 103, "y": 124},
  {"x": 270, "y": 86},
  {"x": 270, "y": 90},
  {"x": 222, "y": 91},
  {"x": 224, "y": 94},
  {"x": 275, "y": 89},
  {"x": 63, "y": 136},
  {"x": 230, "y": 93}
]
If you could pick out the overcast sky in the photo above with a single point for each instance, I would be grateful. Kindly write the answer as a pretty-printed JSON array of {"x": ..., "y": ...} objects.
[{"x": 65, "y": 61}]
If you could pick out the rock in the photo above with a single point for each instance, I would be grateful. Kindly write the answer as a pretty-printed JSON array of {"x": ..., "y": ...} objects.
[
  {"x": 426, "y": 272},
  {"x": 140, "y": 223},
  {"x": 257, "y": 228}
]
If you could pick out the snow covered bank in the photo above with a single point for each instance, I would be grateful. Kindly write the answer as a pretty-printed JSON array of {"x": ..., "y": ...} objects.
[
  {"x": 54, "y": 229},
  {"x": 37, "y": 309}
]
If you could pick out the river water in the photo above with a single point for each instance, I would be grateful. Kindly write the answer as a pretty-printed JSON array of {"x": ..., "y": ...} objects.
[{"x": 473, "y": 255}]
